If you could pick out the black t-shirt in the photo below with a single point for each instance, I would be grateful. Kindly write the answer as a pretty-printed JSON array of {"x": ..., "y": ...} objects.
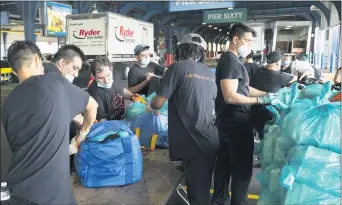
[
  {"x": 230, "y": 67},
  {"x": 136, "y": 75},
  {"x": 251, "y": 69},
  {"x": 36, "y": 118},
  {"x": 190, "y": 88},
  {"x": 111, "y": 104},
  {"x": 269, "y": 80}
]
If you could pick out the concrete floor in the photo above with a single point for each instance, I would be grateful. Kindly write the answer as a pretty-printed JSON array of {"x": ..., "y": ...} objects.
[{"x": 6, "y": 155}]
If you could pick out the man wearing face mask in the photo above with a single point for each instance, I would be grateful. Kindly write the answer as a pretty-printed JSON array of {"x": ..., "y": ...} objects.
[
  {"x": 67, "y": 62},
  {"x": 141, "y": 73},
  {"x": 286, "y": 64},
  {"x": 108, "y": 92},
  {"x": 36, "y": 117},
  {"x": 234, "y": 123}
]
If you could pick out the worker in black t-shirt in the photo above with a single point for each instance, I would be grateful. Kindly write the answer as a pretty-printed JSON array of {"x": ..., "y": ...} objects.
[
  {"x": 142, "y": 73},
  {"x": 234, "y": 123},
  {"x": 36, "y": 117},
  {"x": 189, "y": 86},
  {"x": 250, "y": 66},
  {"x": 108, "y": 91},
  {"x": 269, "y": 79}
]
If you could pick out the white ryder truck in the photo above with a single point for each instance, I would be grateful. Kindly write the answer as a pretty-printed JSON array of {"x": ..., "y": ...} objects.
[{"x": 111, "y": 35}]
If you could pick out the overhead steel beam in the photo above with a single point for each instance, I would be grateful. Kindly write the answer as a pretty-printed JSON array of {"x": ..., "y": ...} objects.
[
  {"x": 129, "y": 6},
  {"x": 151, "y": 13},
  {"x": 337, "y": 5},
  {"x": 278, "y": 10},
  {"x": 316, "y": 16},
  {"x": 323, "y": 8},
  {"x": 216, "y": 40}
]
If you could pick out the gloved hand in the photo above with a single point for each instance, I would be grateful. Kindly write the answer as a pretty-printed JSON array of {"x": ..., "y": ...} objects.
[
  {"x": 149, "y": 109},
  {"x": 135, "y": 97},
  {"x": 266, "y": 99}
]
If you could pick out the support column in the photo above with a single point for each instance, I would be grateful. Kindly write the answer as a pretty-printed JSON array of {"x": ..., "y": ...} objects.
[
  {"x": 212, "y": 49},
  {"x": 28, "y": 12},
  {"x": 156, "y": 36},
  {"x": 169, "y": 36},
  {"x": 4, "y": 40}
]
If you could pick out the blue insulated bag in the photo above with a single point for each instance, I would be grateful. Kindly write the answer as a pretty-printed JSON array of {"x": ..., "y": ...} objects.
[
  {"x": 150, "y": 124},
  {"x": 110, "y": 156}
]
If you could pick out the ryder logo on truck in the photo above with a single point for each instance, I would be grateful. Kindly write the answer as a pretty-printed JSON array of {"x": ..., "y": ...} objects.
[
  {"x": 87, "y": 34},
  {"x": 124, "y": 34}
]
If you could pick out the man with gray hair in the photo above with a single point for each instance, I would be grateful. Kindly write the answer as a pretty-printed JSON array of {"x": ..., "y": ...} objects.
[{"x": 189, "y": 85}]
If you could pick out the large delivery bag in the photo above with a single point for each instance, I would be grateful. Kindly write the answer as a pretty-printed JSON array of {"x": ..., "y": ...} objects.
[
  {"x": 151, "y": 124},
  {"x": 318, "y": 126},
  {"x": 303, "y": 194},
  {"x": 316, "y": 168},
  {"x": 110, "y": 156}
]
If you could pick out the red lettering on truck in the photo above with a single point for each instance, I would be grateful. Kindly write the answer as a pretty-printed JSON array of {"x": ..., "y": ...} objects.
[
  {"x": 126, "y": 32},
  {"x": 82, "y": 34}
]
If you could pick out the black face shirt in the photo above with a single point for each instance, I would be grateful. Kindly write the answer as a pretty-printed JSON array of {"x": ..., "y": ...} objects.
[
  {"x": 137, "y": 74},
  {"x": 230, "y": 67},
  {"x": 36, "y": 118},
  {"x": 190, "y": 88},
  {"x": 111, "y": 104},
  {"x": 269, "y": 80}
]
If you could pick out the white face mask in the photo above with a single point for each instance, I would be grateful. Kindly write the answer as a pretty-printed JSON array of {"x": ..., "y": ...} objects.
[
  {"x": 244, "y": 51},
  {"x": 102, "y": 85},
  {"x": 69, "y": 77},
  {"x": 145, "y": 61}
]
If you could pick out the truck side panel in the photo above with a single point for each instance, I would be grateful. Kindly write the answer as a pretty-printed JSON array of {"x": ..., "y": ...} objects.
[
  {"x": 124, "y": 34},
  {"x": 88, "y": 34}
]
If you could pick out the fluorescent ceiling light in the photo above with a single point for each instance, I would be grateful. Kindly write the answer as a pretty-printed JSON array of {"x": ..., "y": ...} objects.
[
  {"x": 220, "y": 29},
  {"x": 209, "y": 26},
  {"x": 230, "y": 8},
  {"x": 215, "y": 27},
  {"x": 289, "y": 26},
  {"x": 203, "y": 23}
]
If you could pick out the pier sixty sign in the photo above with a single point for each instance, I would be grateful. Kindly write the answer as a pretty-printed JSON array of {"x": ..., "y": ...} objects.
[{"x": 225, "y": 15}]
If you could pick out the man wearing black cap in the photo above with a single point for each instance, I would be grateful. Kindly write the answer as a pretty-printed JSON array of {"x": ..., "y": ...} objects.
[
  {"x": 141, "y": 73},
  {"x": 271, "y": 79}
]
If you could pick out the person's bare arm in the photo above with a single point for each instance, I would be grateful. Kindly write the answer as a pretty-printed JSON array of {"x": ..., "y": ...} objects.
[
  {"x": 158, "y": 102},
  {"x": 255, "y": 92},
  {"x": 89, "y": 119},
  {"x": 127, "y": 94},
  {"x": 78, "y": 120},
  {"x": 229, "y": 90},
  {"x": 140, "y": 86}
]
